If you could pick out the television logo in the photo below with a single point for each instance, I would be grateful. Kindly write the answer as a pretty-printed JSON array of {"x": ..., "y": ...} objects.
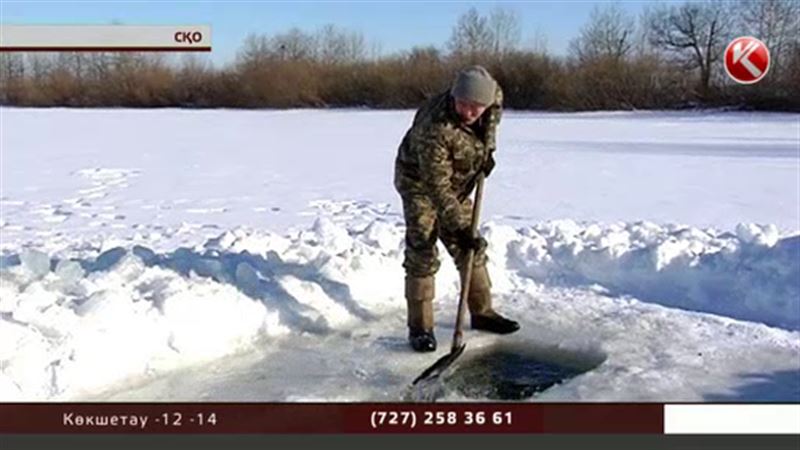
[
  {"x": 746, "y": 60},
  {"x": 188, "y": 37}
]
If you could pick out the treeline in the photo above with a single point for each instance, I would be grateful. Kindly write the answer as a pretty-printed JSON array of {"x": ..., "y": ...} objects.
[{"x": 669, "y": 57}]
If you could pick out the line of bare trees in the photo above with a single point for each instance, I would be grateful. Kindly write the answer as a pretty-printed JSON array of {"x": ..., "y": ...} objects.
[{"x": 670, "y": 56}]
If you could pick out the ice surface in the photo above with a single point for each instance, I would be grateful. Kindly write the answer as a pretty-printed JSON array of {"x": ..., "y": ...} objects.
[{"x": 667, "y": 242}]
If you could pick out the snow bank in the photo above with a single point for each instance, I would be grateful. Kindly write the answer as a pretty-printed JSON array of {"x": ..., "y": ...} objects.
[
  {"x": 66, "y": 331},
  {"x": 751, "y": 274},
  {"x": 71, "y": 326},
  {"x": 75, "y": 325}
]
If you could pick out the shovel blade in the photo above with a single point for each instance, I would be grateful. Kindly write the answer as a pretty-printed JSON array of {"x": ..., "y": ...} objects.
[{"x": 440, "y": 365}]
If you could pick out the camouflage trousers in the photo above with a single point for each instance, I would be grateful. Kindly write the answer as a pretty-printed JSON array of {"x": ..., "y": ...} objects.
[{"x": 423, "y": 230}]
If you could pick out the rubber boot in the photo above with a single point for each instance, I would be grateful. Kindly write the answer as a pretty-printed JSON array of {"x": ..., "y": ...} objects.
[
  {"x": 479, "y": 300},
  {"x": 419, "y": 300}
]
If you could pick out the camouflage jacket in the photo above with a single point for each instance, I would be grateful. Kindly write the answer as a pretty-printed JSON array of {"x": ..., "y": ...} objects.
[{"x": 440, "y": 157}]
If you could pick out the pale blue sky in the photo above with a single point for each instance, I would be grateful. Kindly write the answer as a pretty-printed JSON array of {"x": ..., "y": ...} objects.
[{"x": 392, "y": 25}]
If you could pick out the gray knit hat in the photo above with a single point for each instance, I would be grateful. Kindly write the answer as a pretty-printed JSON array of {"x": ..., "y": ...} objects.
[{"x": 475, "y": 84}]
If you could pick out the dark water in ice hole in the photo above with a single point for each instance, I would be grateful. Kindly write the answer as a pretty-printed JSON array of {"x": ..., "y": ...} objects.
[{"x": 508, "y": 372}]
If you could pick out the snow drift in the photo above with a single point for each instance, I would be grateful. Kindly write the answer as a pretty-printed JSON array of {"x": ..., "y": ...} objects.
[{"x": 72, "y": 325}]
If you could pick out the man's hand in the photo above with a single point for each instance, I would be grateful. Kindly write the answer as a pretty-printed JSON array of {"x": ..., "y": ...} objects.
[
  {"x": 488, "y": 165},
  {"x": 466, "y": 241}
]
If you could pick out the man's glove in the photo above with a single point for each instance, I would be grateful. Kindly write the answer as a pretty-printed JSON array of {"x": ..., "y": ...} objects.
[
  {"x": 466, "y": 241},
  {"x": 488, "y": 165}
]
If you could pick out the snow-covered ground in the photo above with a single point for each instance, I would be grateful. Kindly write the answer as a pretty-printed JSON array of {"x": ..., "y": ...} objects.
[{"x": 255, "y": 255}]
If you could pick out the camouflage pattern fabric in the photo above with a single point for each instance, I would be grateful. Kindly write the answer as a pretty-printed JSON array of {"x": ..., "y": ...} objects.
[{"x": 435, "y": 172}]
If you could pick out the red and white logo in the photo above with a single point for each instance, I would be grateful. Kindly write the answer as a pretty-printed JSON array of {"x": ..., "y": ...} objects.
[{"x": 746, "y": 60}]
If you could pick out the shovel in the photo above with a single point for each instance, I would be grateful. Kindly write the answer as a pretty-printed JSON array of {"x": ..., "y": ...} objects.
[{"x": 457, "y": 347}]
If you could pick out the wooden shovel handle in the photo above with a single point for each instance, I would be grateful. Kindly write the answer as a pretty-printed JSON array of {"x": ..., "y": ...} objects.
[{"x": 465, "y": 282}]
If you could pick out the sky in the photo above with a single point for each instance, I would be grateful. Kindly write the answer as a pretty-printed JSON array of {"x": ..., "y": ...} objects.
[{"x": 388, "y": 26}]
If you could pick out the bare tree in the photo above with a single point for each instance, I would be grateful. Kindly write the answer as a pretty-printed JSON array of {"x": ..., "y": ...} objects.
[
  {"x": 471, "y": 35},
  {"x": 340, "y": 46},
  {"x": 696, "y": 33},
  {"x": 12, "y": 65},
  {"x": 255, "y": 52},
  {"x": 428, "y": 55},
  {"x": 375, "y": 50},
  {"x": 505, "y": 29},
  {"x": 192, "y": 66},
  {"x": 12, "y": 77},
  {"x": 98, "y": 65},
  {"x": 537, "y": 42},
  {"x": 608, "y": 34},
  {"x": 194, "y": 83},
  {"x": 424, "y": 72},
  {"x": 39, "y": 65},
  {"x": 776, "y": 23},
  {"x": 295, "y": 44},
  {"x": 66, "y": 81}
]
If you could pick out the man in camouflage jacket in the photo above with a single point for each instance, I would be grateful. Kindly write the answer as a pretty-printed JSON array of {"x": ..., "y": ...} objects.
[{"x": 451, "y": 140}]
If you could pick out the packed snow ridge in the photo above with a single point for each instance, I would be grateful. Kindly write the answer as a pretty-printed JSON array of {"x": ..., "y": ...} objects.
[{"x": 80, "y": 319}]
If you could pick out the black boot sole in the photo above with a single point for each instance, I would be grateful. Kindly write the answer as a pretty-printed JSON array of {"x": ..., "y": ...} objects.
[{"x": 508, "y": 326}]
